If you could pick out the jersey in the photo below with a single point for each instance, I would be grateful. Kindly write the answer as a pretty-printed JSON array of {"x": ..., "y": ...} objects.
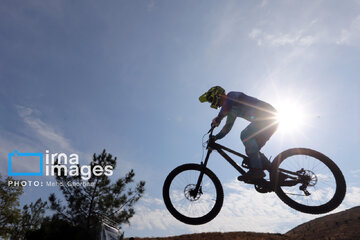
[{"x": 238, "y": 104}]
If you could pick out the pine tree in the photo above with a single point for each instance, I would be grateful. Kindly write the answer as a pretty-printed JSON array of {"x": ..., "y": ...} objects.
[
  {"x": 88, "y": 202},
  {"x": 32, "y": 217},
  {"x": 9, "y": 201}
]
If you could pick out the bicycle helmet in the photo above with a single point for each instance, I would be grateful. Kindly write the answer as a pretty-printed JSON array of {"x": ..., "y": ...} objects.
[{"x": 213, "y": 96}]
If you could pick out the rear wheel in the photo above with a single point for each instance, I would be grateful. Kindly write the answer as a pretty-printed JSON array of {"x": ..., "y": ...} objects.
[
  {"x": 308, "y": 181},
  {"x": 184, "y": 203}
]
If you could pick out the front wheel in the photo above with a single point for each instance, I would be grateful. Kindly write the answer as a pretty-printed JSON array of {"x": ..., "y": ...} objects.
[
  {"x": 308, "y": 181},
  {"x": 184, "y": 203}
]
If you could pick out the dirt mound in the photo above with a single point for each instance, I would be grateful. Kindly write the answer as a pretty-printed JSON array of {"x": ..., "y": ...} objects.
[
  {"x": 225, "y": 236},
  {"x": 339, "y": 226},
  {"x": 344, "y": 225}
]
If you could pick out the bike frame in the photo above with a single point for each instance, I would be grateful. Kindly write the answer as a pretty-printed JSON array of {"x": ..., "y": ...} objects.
[
  {"x": 212, "y": 145},
  {"x": 220, "y": 149}
]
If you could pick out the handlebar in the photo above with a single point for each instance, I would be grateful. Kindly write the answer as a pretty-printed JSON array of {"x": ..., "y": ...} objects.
[{"x": 212, "y": 139}]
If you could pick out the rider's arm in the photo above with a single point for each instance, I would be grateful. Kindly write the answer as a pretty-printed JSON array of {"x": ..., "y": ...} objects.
[
  {"x": 227, "y": 127},
  {"x": 223, "y": 112}
]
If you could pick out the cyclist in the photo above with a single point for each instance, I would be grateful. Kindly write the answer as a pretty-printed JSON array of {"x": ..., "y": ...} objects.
[{"x": 263, "y": 124}]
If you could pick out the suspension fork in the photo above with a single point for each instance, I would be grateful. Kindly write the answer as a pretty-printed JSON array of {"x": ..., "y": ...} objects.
[{"x": 202, "y": 171}]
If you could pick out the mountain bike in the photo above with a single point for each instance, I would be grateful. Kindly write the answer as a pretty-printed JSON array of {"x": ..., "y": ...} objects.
[{"x": 304, "y": 179}]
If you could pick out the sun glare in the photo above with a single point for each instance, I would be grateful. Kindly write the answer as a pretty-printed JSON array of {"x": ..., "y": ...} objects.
[{"x": 291, "y": 117}]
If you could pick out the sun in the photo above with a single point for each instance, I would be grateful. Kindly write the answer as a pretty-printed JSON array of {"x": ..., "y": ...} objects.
[{"x": 291, "y": 117}]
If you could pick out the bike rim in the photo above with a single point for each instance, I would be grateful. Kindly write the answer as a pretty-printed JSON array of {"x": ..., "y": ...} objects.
[{"x": 183, "y": 198}]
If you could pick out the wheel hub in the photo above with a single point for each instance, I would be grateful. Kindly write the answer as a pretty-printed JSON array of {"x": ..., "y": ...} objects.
[
  {"x": 190, "y": 193},
  {"x": 309, "y": 177},
  {"x": 312, "y": 178}
]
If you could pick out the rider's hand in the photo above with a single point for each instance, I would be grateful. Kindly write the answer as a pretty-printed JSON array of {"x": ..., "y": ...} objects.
[{"x": 215, "y": 122}]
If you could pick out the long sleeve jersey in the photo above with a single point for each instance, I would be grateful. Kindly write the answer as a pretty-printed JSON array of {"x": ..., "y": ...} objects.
[{"x": 238, "y": 104}]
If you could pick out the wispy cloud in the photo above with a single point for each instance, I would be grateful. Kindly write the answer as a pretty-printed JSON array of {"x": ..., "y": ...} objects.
[
  {"x": 350, "y": 35},
  {"x": 299, "y": 38},
  {"x": 44, "y": 131},
  {"x": 41, "y": 135},
  {"x": 353, "y": 196},
  {"x": 151, "y": 214}
]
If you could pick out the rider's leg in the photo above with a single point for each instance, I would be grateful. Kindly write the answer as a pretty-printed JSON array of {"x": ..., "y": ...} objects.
[
  {"x": 252, "y": 148},
  {"x": 266, "y": 130},
  {"x": 266, "y": 164},
  {"x": 254, "y": 137}
]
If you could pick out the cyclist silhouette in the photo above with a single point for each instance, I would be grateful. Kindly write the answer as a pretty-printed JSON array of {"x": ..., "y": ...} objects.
[
  {"x": 263, "y": 124},
  {"x": 193, "y": 193}
]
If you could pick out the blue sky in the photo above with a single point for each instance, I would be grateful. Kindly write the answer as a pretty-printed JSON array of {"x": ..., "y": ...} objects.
[{"x": 126, "y": 76}]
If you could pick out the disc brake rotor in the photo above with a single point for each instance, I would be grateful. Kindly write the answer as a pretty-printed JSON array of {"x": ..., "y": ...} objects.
[
  {"x": 190, "y": 194},
  {"x": 312, "y": 178}
]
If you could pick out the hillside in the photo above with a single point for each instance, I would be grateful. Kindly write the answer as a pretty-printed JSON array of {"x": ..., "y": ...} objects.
[
  {"x": 344, "y": 225},
  {"x": 339, "y": 226},
  {"x": 225, "y": 236}
]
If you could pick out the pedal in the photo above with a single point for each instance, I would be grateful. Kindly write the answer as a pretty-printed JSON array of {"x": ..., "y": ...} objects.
[
  {"x": 242, "y": 178},
  {"x": 249, "y": 181}
]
